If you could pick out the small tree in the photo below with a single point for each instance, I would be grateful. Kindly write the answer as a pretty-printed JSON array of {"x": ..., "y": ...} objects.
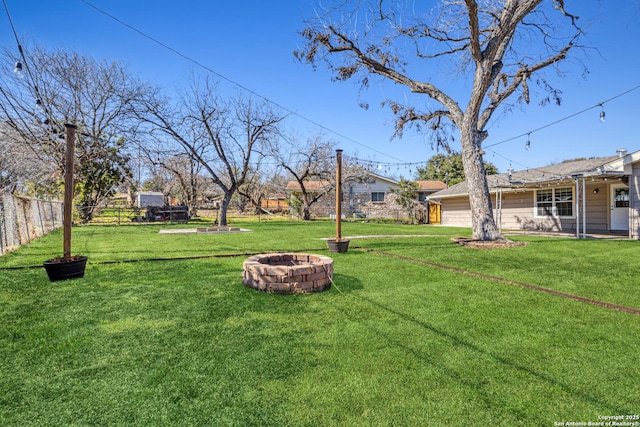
[
  {"x": 101, "y": 171},
  {"x": 260, "y": 185},
  {"x": 406, "y": 192}
]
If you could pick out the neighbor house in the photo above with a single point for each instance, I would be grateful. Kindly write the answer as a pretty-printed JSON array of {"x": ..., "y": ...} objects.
[
  {"x": 369, "y": 195},
  {"x": 581, "y": 196}
]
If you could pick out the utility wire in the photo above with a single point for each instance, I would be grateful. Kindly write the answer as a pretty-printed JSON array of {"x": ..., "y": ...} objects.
[
  {"x": 600, "y": 104},
  {"x": 199, "y": 64},
  {"x": 233, "y": 82}
]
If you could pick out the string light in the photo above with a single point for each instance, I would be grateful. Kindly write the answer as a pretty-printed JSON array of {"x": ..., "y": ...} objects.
[
  {"x": 568, "y": 117},
  {"x": 18, "y": 69},
  {"x": 602, "y": 113},
  {"x": 527, "y": 145}
]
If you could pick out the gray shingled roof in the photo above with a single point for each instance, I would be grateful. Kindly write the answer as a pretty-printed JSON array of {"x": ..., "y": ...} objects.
[{"x": 521, "y": 178}]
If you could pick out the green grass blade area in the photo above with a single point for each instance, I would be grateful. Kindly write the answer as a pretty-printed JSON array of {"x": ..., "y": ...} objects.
[{"x": 395, "y": 341}]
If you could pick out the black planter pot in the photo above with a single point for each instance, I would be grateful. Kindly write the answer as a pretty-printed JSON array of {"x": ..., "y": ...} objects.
[
  {"x": 58, "y": 269},
  {"x": 338, "y": 246}
]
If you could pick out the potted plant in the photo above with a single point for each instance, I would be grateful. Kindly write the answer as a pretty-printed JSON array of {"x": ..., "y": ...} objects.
[{"x": 67, "y": 266}]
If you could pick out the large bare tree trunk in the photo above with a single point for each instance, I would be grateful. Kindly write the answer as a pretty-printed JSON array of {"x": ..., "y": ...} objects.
[{"x": 482, "y": 222}]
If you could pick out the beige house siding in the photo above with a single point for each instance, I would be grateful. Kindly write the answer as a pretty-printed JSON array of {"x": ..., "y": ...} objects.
[
  {"x": 518, "y": 211},
  {"x": 597, "y": 207},
  {"x": 456, "y": 211}
]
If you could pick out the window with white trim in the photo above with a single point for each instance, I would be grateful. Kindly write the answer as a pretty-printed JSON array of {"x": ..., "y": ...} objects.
[
  {"x": 554, "y": 202},
  {"x": 377, "y": 197}
]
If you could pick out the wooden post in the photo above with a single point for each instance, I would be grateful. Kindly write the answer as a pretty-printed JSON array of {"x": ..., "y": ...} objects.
[
  {"x": 338, "y": 195},
  {"x": 68, "y": 189}
]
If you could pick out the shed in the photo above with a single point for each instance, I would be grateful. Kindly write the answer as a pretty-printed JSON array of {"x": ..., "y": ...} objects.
[{"x": 149, "y": 198}]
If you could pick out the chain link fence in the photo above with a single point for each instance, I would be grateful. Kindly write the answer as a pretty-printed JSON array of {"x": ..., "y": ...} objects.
[{"x": 23, "y": 219}]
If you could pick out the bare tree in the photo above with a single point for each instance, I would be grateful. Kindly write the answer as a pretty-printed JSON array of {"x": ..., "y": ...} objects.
[
  {"x": 253, "y": 191},
  {"x": 23, "y": 170},
  {"x": 312, "y": 166},
  {"x": 175, "y": 173},
  {"x": 309, "y": 163},
  {"x": 499, "y": 44},
  {"x": 67, "y": 87},
  {"x": 225, "y": 136}
]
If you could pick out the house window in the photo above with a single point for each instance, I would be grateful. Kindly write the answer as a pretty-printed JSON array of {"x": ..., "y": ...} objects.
[
  {"x": 622, "y": 197},
  {"x": 554, "y": 202},
  {"x": 377, "y": 197}
]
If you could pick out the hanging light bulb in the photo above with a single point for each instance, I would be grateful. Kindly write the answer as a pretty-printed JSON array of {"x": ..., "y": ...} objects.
[
  {"x": 18, "y": 69},
  {"x": 602, "y": 114},
  {"x": 527, "y": 145}
]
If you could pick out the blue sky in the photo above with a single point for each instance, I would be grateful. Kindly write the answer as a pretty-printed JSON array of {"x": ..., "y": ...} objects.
[{"x": 251, "y": 43}]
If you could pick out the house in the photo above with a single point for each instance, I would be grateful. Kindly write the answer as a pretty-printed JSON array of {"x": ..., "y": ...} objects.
[
  {"x": 596, "y": 195},
  {"x": 369, "y": 195},
  {"x": 427, "y": 188}
]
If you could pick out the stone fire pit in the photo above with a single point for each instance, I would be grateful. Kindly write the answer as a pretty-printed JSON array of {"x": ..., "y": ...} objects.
[{"x": 285, "y": 273}]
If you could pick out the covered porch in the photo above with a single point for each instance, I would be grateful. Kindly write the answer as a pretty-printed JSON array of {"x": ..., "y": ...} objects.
[{"x": 583, "y": 198}]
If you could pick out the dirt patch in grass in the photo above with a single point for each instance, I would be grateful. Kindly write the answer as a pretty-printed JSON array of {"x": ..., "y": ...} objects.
[{"x": 487, "y": 244}]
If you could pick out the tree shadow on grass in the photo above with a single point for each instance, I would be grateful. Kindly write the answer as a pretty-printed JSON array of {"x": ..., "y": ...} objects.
[{"x": 483, "y": 352}]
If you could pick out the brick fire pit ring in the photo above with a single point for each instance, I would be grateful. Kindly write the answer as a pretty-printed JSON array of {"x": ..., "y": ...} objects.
[{"x": 287, "y": 273}]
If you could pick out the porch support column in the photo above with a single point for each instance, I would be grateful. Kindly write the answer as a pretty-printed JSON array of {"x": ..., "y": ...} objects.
[
  {"x": 499, "y": 206},
  {"x": 584, "y": 208},
  {"x": 577, "y": 209}
]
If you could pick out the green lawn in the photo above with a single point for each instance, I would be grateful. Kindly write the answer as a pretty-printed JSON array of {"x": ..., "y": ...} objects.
[{"x": 394, "y": 342}]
